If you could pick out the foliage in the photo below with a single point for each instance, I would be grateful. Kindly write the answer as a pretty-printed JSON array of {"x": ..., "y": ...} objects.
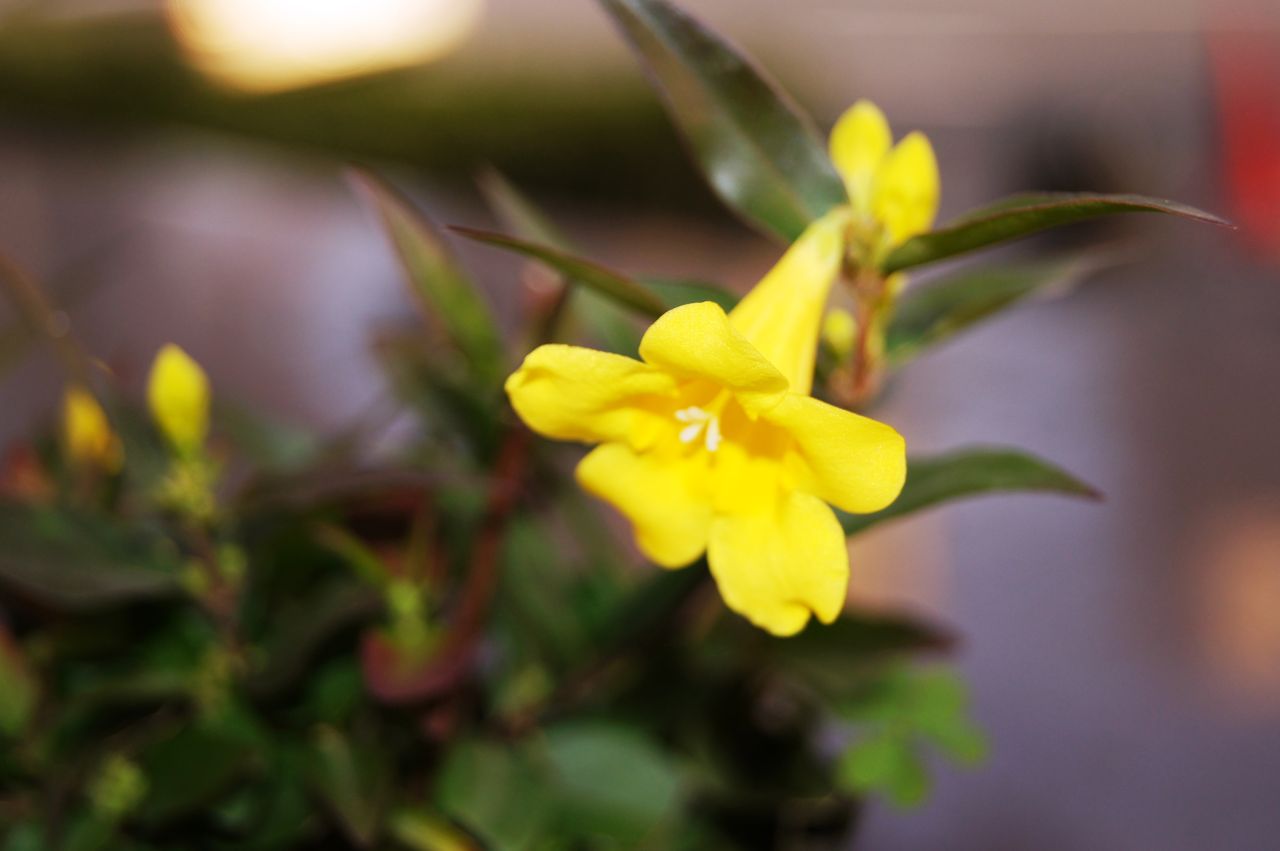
[{"x": 447, "y": 649}]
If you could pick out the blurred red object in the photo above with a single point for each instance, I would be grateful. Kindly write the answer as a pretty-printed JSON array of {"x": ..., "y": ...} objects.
[{"x": 1246, "y": 68}]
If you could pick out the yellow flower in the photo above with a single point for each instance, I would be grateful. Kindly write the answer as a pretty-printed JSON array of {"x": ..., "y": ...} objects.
[
  {"x": 178, "y": 395},
  {"x": 87, "y": 434},
  {"x": 893, "y": 190},
  {"x": 711, "y": 442}
]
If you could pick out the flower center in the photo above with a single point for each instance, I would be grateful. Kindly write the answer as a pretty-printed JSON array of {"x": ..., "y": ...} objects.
[{"x": 699, "y": 423}]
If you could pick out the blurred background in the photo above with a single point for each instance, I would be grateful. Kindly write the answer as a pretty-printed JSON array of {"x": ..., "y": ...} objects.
[{"x": 175, "y": 172}]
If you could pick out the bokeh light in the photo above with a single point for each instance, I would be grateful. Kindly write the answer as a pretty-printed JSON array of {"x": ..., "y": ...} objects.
[{"x": 282, "y": 44}]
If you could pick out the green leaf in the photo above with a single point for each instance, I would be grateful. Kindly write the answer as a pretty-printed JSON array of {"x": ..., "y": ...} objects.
[
  {"x": 938, "y": 710},
  {"x": 519, "y": 213},
  {"x": 885, "y": 763},
  {"x": 497, "y": 792},
  {"x": 610, "y": 781},
  {"x": 927, "y": 315},
  {"x": 78, "y": 560},
  {"x": 1022, "y": 215},
  {"x": 424, "y": 832},
  {"x": 189, "y": 769},
  {"x": 438, "y": 281},
  {"x": 17, "y": 685},
  {"x": 605, "y": 281},
  {"x": 676, "y": 293},
  {"x": 755, "y": 147},
  {"x": 834, "y": 657},
  {"x": 606, "y": 320},
  {"x": 970, "y": 472},
  {"x": 301, "y": 628},
  {"x": 353, "y": 781}
]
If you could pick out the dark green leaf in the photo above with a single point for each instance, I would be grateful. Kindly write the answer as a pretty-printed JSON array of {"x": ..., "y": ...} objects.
[
  {"x": 438, "y": 281},
  {"x": 519, "y": 214},
  {"x": 301, "y": 628},
  {"x": 833, "y": 657},
  {"x": 756, "y": 148},
  {"x": 676, "y": 293},
  {"x": 17, "y": 685},
  {"x": 354, "y": 781},
  {"x": 496, "y": 791},
  {"x": 930, "y": 314},
  {"x": 190, "y": 769},
  {"x": 610, "y": 781},
  {"x": 605, "y": 281},
  {"x": 77, "y": 560},
  {"x": 1021, "y": 215},
  {"x": 970, "y": 472},
  {"x": 607, "y": 321}
]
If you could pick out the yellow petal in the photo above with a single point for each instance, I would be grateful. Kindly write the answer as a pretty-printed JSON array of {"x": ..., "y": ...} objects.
[
  {"x": 572, "y": 393},
  {"x": 178, "y": 395},
  {"x": 782, "y": 314},
  {"x": 853, "y": 462},
  {"x": 859, "y": 142},
  {"x": 87, "y": 433},
  {"x": 697, "y": 341},
  {"x": 668, "y": 515},
  {"x": 905, "y": 197},
  {"x": 776, "y": 568}
]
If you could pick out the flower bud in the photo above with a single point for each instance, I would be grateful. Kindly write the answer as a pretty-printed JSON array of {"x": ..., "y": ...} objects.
[{"x": 178, "y": 395}]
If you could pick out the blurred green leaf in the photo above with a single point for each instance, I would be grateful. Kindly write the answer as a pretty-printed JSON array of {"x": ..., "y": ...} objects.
[
  {"x": 970, "y": 472},
  {"x": 1022, "y": 215},
  {"x": 930, "y": 314},
  {"x": 354, "y": 781},
  {"x": 423, "y": 832},
  {"x": 519, "y": 213},
  {"x": 899, "y": 713},
  {"x": 885, "y": 763},
  {"x": 496, "y": 791},
  {"x": 19, "y": 692},
  {"x": 76, "y": 560},
  {"x": 756, "y": 148},
  {"x": 676, "y": 293},
  {"x": 606, "y": 320},
  {"x": 605, "y": 281},
  {"x": 442, "y": 288},
  {"x": 835, "y": 657},
  {"x": 304, "y": 626},
  {"x": 610, "y": 781},
  {"x": 189, "y": 769}
]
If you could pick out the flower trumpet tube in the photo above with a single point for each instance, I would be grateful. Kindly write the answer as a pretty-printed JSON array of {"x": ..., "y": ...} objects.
[{"x": 711, "y": 443}]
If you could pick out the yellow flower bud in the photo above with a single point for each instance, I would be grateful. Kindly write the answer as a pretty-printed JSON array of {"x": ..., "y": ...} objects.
[
  {"x": 87, "y": 434},
  {"x": 178, "y": 395},
  {"x": 839, "y": 329}
]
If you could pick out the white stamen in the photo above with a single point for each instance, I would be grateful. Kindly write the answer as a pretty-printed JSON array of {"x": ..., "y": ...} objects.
[
  {"x": 713, "y": 434},
  {"x": 698, "y": 420},
  {"x": 690, "y": 433}
]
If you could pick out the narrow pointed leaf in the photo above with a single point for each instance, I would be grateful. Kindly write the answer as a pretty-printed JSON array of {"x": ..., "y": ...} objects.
[
  {"x": 610, "y": 325},
  {"x": 756, "y": 148},
  {"x": 971, "y": 472},
  {"x": 1022, "y": 215},
  {"x": 931, "y": 314},
  {"x": 442, "y": 289},
  {"x": 619, "y": 287},
  {"x": 519, "y": 213}
]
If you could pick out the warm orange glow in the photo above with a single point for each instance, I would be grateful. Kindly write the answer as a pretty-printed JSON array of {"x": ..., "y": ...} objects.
[
  {"x": 1239, "y": 573},
  {"x": 267, "y": 45}
]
